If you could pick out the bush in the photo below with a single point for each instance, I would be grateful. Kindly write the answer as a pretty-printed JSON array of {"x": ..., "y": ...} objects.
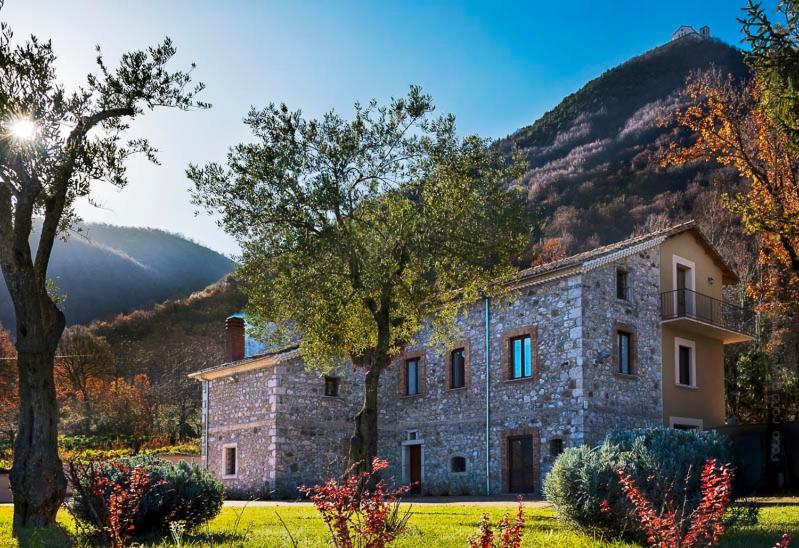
[
  {"x": 183, "y": 492},
  {"x": 584, "y": 488}
]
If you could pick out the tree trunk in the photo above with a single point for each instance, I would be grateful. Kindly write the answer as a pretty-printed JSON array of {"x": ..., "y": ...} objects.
[
  {"x": 37, "y": 476},
  {"x": 363, "y": 444}
]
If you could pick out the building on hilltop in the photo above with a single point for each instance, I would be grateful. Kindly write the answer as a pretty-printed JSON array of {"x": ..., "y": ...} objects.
[
  {"x": 687, "y": 30},
  {"x": 627, "y": 335}
]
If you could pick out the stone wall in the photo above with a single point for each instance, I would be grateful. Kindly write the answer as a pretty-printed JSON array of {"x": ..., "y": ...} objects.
[
  {"x": 451, "y": 423},
  {"x": 288, "y": 433},
  {"x": 613, "y": 399},
  {"x": 242, "y": 412}
]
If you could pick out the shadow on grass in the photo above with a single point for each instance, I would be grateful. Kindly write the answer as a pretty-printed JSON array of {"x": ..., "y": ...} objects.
[{"x": 54, "y": 536}]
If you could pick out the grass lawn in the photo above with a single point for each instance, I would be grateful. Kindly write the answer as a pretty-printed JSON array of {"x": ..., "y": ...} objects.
[{"x": 432, "y": 525}]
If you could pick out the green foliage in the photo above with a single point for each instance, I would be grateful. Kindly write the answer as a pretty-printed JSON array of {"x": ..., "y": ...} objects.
[
  {"x": 354, "y": 231},
  {"x": 658, "y": 459},
  {"x": 188, "y": 493},
  {"x": 774, "y": 54}
]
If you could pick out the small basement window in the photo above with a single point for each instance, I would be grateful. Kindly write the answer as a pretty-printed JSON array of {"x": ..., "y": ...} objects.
[
  {"x": 457, "y": 465},
  {"x": 331, "y": 386},
  {"x": 555, "y": 447},
  {"x": 231, "y": 461}
]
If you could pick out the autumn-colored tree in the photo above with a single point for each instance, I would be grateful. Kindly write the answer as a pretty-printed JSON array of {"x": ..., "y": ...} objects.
[
  {"x": 549, "y": 250},
  {"x": 123, "y": 407},
  {"x": 82, "y": 357},
  {"x": 9, "y": 403},
  {"x": 732, "y": 129}
]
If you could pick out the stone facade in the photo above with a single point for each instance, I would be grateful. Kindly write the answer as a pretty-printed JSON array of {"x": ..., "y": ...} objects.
[{"x": 460, "y": 441}]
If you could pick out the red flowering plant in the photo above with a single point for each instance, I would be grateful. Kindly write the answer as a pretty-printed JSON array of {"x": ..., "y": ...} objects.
[
  {"x": 671, "y": 525},
  {"x": 360, "y": 510},
  {"x": 510, "y": 533},
  {"x": 112, "y": 505}
]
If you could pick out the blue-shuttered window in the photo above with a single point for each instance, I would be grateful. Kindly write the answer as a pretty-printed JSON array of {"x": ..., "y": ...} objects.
[{"x": 521, "y": 357}]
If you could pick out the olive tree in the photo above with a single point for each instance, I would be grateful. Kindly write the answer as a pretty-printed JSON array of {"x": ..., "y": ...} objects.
[
  {"x": 354, "y": 232},
  {"x": 55, "y": 144}
]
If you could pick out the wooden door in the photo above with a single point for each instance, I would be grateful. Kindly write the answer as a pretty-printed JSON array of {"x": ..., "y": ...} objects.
[
  {"x": 520, "y": 465},
  {"x": 415, "y": 467}
]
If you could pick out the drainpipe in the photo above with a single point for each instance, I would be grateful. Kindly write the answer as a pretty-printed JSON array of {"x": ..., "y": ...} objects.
[
  {"x": 206, "y": 406},
  {"x": 487, "y": 302}
]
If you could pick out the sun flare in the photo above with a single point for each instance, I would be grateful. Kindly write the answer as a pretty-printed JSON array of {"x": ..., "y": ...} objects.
[{"x": 22, "y": 129}]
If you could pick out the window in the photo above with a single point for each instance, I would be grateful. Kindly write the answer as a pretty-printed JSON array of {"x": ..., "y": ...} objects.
[
  {"x": 685, "y": 365},
  {"x": 625, "y": 352},
  {"x": 521, "y": 357},
  {"x": 412, "y": 377},
  {"x": 457, "y": 364},
  {"x": 685, "y": 362},
  {"x": 622, "y": 287},
  {"x": 457, "y": 465},
  {"x": 686, "y": 423},
  {"x": 231, "y": 464},
  {"x": 331, "y": 386},
  {"x": 555, "y": 447}
]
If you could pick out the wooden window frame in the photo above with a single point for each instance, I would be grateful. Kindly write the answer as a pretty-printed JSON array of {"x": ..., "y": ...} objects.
[
  {"x": 623, "y": 272},
  {"x": 505, "y": 362},
  {"x": 403, "y": 373},
  {"x": 630, "y": 330},
  {"x": 464, "y": 344}
]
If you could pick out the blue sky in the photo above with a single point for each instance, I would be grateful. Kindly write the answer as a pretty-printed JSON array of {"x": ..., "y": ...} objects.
[{"x": 497, "y": 66}]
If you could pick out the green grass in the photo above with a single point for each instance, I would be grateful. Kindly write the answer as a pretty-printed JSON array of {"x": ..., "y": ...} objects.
[{"x": 435, "y": 526}]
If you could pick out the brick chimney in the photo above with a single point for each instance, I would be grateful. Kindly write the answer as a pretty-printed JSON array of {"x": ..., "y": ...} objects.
[{"x": 234, "y": 339}]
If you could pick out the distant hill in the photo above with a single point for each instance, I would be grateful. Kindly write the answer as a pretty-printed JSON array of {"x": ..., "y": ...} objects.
[
  {"x": 104, "y": 270},
  {"x": 594, "y": 159},
  {"x": 174, "y": 337}
]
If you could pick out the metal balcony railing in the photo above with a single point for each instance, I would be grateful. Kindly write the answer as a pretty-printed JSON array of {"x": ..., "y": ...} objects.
[{"x": 685, "y": 303}]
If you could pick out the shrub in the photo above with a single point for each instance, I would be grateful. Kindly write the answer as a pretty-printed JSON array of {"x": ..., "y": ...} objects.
[
  {"x": 357, "y": 515},
  {"x": 672, "y": 524},
  {"x": 585, "y": 491},
  {"x": 510, "y": 534},
  {"x": 182, "y": 492},
  {"x": 112, "y": 506}
]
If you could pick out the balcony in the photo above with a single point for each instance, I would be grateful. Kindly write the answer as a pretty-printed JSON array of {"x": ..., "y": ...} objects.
[{"x": 707, "y": 316}]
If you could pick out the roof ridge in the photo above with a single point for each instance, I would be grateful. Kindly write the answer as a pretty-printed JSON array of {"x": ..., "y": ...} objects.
[{"x": 584, "y": 256}]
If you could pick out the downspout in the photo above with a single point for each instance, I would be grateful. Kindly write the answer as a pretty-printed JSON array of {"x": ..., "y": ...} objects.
[
  {"x": 487, "y": 322},
  {"x": 206, "y": 406}
]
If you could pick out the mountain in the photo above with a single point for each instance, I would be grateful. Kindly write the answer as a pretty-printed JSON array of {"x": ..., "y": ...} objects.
[
  {"x": 594, "y": 159},
  {"x": 103, "y": 270}
]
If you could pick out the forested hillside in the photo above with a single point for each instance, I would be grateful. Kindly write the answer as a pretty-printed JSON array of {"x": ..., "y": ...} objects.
[
  {"x": 594, "y": 159},
  {"x": 103, "y": 270}
]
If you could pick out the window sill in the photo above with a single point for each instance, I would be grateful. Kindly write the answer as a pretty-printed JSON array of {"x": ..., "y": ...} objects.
[
  {"x": 631, "y": 376},
  {"x": 332, "y": 398},
  {"x": 520, "y": 379},
  {"x": 459, "y": 389},
  {"x": 625, "y": 302},
  {"x": 459, "y": 473},
  {"x": 686, "y": 386},
  {"x": 410, "y": 396},
  {"x": 234, "y": 476}
]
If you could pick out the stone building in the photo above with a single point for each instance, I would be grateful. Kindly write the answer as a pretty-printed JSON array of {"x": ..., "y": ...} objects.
[
  {"x": 625, "y": 335},
  {"x": 688, "y": 31}
]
